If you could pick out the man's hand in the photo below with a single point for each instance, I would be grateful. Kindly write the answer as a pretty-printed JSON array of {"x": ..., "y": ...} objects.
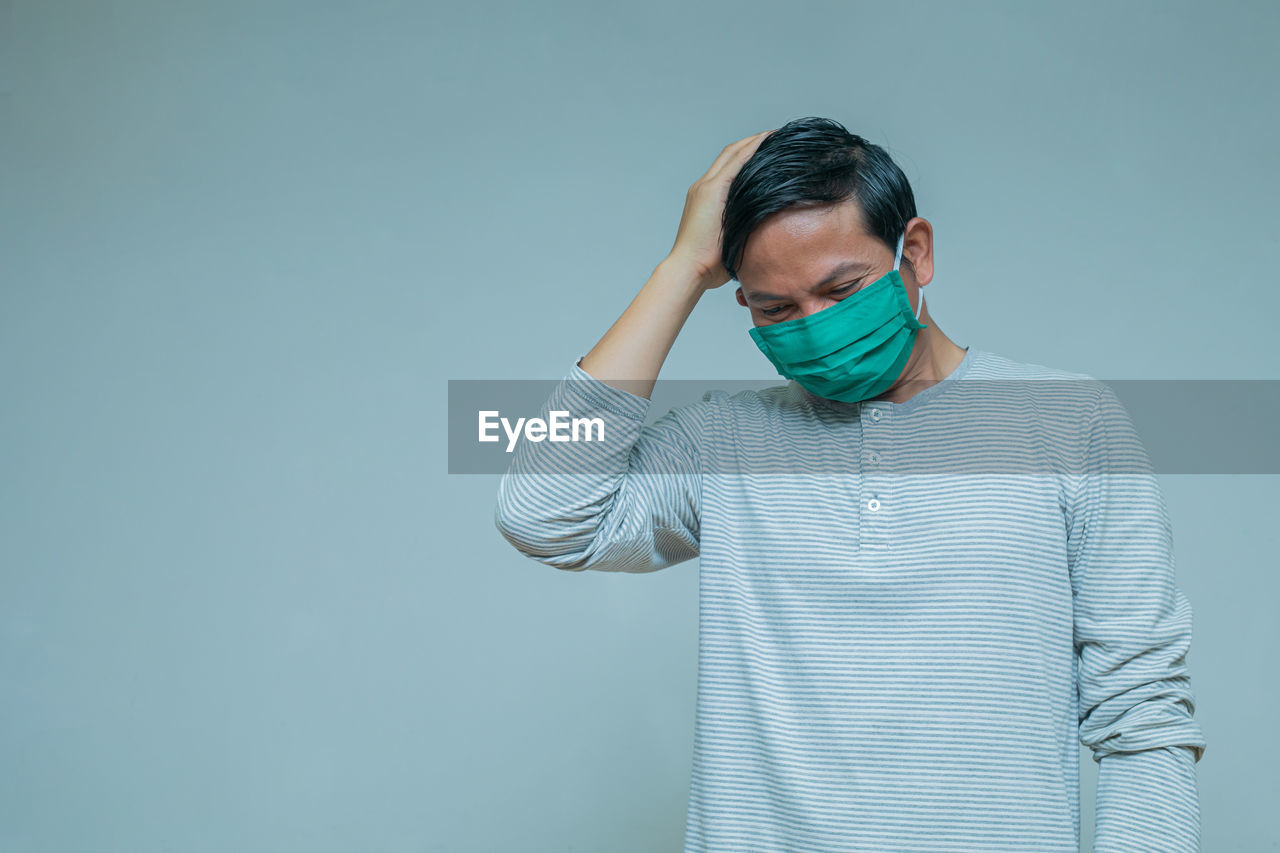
[
  {"x": 631, "y": 353},
  {"x": 698, "y": 243}
]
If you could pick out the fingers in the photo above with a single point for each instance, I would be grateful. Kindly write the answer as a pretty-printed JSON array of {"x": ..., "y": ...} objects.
[{"x": 737, "y": 152}]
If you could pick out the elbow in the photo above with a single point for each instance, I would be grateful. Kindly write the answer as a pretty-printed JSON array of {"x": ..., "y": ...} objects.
[
  {"x": 517, "y": 530},
  {"x": 504, "y": 521},
  {"x": 536, "y": 539}
]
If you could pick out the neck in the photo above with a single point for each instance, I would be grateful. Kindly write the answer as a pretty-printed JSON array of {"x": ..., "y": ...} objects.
[{"x": 932, "y": 359}]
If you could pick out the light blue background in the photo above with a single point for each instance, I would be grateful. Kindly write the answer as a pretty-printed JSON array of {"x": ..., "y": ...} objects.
[{"x": 245, "y": 244}]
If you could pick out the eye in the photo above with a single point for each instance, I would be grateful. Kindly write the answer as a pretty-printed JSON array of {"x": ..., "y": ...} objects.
[
  {"x": 771, "y": 312},
  {"x": 845, "y": 288}
]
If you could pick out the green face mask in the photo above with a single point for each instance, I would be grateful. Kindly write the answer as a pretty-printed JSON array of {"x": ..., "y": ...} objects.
[{"x": 855, "y": 349}]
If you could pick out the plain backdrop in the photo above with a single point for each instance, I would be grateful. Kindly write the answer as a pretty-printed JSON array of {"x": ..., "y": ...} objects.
[{"x": 243, "y": 605}]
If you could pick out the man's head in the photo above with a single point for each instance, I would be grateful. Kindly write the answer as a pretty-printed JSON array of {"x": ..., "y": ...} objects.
[{"x": 814, "y": 215}]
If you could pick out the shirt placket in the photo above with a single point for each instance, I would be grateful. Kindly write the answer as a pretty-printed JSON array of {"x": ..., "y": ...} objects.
[{"x": 874, "y": 506}]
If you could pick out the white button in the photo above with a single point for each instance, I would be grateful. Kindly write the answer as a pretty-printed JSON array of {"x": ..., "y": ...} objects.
[
  {"x": 875, "y": 414},
  {"x": 873, "y": 505},
  {"x": 873, "y": 457}
]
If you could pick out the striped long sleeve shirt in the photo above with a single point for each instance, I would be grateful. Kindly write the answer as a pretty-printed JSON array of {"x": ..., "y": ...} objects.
[{"x": 911, "y": 614}]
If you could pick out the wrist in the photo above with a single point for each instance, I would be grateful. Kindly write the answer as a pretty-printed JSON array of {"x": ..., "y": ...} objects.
[{"x": 677, "y": 279}]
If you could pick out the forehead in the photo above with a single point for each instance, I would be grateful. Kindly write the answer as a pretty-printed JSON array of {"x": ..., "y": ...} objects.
[{"x": 798, "y": 246}]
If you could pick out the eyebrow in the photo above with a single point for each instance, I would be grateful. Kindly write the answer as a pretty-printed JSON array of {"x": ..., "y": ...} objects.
[{"x": 837, "y": 272}]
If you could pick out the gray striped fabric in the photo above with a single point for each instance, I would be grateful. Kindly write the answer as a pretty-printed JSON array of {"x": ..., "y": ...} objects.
[{"x": 892, "y": 662}]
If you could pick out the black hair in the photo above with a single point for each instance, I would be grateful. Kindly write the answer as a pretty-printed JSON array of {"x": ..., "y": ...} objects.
[{"x": 813, "y": 162}]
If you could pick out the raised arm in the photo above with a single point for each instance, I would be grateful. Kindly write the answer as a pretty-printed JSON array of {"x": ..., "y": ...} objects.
[
  {"x": 631, "y": 501},
  {"x": 632, "y": 352}
]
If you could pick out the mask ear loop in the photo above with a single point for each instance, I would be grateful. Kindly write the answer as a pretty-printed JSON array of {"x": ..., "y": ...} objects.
[{"x": 897, "y": 259}]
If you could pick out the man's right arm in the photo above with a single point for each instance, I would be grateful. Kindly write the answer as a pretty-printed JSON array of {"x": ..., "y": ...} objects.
[
  {"x": 631, "y": 353},
  {"x": 632, "y": 501}
]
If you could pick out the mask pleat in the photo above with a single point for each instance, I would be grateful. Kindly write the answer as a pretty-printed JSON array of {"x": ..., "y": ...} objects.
[{"x": 850, "y": 351}]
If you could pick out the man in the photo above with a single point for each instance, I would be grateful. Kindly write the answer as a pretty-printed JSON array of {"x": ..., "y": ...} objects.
[{"x": 902, "y": 641}]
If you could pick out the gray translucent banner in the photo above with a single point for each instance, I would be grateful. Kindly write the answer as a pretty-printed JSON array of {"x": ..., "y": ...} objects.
[{"x": 1032, "y": 427}]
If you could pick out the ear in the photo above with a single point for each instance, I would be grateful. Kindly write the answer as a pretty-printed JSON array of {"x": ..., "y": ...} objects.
[
  {"x": 917, "y": 248},
  {"x": 742, "y": 300}
]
